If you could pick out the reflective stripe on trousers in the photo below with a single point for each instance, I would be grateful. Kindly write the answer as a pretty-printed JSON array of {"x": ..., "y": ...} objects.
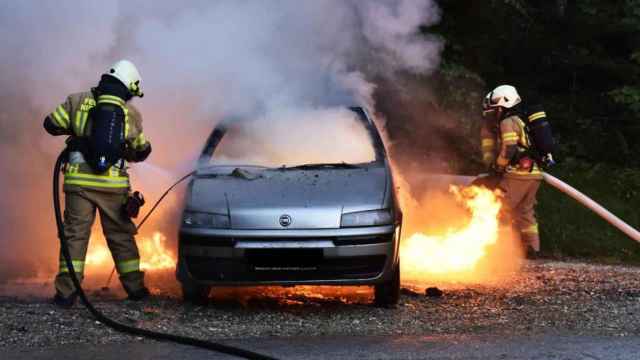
[
  {"x": 128, "y": 266},
  {"x": 78, "y": 266},
  {"x": 533, "y": 230}
]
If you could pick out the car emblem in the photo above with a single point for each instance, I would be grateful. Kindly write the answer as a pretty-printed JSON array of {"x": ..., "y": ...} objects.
[{"x": 285, "y": 220}]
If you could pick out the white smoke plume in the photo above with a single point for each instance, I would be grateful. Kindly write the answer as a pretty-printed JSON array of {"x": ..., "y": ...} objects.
[{"x": 200, "y": 61}]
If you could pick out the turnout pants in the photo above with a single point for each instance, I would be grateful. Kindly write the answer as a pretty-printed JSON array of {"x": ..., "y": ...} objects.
[
  {"x": 520, "y": 198},
  {"x": 80, "y": 211}
]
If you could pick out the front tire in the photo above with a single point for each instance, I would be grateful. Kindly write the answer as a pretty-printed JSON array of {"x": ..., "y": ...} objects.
[
  {"x": 195, "y": 293},
  {"x": 387, "y": 294}
]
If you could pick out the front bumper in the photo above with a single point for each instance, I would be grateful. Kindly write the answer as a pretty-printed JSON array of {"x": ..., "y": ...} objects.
[{"x": 355, "y": 256}]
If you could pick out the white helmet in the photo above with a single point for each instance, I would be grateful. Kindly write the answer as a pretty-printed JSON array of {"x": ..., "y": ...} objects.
[
  {"x": 504, "y": 95},
  {"x": 128, "y": 74}
]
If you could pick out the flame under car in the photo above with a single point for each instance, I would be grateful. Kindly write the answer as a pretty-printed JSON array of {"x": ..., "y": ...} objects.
[{"x": 326, "y": 215}]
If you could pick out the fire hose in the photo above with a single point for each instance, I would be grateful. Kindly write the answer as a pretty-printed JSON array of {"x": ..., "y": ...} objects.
[
  {"x": 146, "y": 217},
  {"x": 99, "y": 316},
  {"x": 593, "y": 206}
]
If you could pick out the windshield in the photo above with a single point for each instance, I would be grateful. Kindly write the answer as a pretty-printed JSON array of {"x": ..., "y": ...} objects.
[{"x": 322, "y": 137}]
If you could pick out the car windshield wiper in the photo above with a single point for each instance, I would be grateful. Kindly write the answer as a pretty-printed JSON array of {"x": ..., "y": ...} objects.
[
  {"x": 342, "y": 165},
  {"x": 205, "y": 172}
]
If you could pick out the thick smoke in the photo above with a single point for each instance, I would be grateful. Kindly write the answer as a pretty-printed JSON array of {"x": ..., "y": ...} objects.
[{"x": 200, "y": 62}]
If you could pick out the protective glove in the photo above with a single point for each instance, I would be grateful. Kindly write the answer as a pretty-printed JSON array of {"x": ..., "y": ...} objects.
[
  {"x": 136, "y": 155},
  {"x": 132, "y": 205}
]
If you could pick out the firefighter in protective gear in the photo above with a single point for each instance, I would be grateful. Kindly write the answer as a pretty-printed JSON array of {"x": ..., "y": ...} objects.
[
  {"x": 505, "y": 145},
  {"x": 87, "y": 191}
]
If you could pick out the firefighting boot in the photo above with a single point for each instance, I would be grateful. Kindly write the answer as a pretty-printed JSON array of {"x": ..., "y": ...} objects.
[
  {"x": 139, "y": 295},
  {"x": 133, "y": 284}
]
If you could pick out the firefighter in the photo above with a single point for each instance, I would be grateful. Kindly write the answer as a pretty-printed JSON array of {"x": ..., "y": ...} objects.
[
  {"x": 506, "y": 151},
  {"x": 106, "y": 191}
]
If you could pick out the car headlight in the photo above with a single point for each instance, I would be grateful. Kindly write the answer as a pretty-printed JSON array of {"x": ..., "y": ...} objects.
[
  {"x": 202, "y": 219},
  {"x": 367, "y": 218}
]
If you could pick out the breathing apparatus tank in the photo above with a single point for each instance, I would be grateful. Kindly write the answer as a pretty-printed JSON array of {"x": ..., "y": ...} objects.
[
  {"x": 540, "y": 134},
  {"x": 105, "y": 141}
]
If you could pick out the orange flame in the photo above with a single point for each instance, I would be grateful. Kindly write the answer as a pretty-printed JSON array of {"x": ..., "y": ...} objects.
[
  {"x": 454, "y": 254},
  {"x": 154, "y": 254}
]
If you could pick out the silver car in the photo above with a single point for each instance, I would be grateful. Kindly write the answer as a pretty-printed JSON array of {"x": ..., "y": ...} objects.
[{"x": 247, "y": 222}]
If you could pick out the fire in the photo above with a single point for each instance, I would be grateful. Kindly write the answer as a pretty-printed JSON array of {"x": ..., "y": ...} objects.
[
  {"x": 154, "y": 254},
  {"x": 455, "y": 253}
]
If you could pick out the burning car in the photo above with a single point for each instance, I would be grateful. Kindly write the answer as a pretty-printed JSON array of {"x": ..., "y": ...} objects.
[{"x": 299, "y": 201}]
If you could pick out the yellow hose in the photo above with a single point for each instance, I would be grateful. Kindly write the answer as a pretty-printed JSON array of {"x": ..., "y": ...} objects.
[{"x": 593, "y": 206}]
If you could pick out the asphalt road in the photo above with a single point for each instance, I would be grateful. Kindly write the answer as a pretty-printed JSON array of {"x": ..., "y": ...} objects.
[{"x": 547, "y": 346}]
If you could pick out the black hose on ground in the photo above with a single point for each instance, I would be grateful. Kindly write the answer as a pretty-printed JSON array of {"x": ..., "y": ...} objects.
[{"x": 225, "y": 349}]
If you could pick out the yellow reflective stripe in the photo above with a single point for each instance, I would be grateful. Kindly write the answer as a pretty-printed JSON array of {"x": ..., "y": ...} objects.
[
  {"x": 533, "y": 229},
  {"x": 488, "y": 142},
  {"x": 98, "y": 184},
  {"x": 526, "y": 174},
  {"x": 128, "y": 266},
  {"x": 114, "y": 171},
  {"x": 78, "y": 266},
  {"x": 139, "y": 141},
  {"x": 76, "y": 123},
  {"x": 102, "y": 177},
  {"x": 536, "y": 116},
  {"x": 73, "y": 168},
  {"x": 104, "y": 181},
  {"x": 487, "y": 156},
  {"x": 60, "y": 109},
  {"x": 59, "y": 120},
  {"x": 83, "y": 169},
  {"x": 61, "y": 117},
  {"x": 83, "y": 122},
  {"x": 126, "y": 122},
  {"x": 111, "y": 100},
  {"x": 510, "y": 140}
]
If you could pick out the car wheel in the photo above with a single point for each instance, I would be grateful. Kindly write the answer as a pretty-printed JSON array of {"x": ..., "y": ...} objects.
[
  {"x": 195, "y": 294},
  {"x": 387, "y": 294}
]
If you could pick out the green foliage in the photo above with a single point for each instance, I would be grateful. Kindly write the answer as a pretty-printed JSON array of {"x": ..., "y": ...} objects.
[
  {"x": 569, "y": 229},
  {"x": 580, "y": 59},
  {"x": 628, "y": 96}
]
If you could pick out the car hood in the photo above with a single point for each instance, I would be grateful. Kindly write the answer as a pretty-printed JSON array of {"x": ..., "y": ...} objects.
[{"x": 312, "y": 199}]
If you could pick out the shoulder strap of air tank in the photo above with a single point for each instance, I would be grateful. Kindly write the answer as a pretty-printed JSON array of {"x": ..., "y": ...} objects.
[
  {"x": 115, "y": 100},
  {"x": 110, "y": 99}
]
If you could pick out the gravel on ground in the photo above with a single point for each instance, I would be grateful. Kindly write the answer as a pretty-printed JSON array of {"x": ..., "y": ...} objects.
[{"x": 570, "y": 298}]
